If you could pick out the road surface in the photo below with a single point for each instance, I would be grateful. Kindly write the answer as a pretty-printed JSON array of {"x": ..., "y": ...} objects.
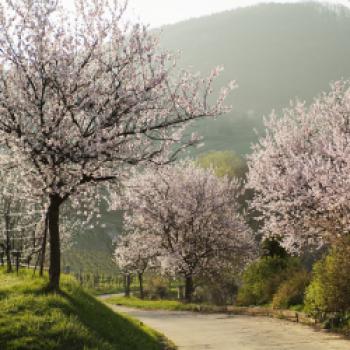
[{"x": 194, "y": 331}]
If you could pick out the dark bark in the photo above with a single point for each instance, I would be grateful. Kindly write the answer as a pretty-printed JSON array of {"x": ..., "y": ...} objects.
[
  {"x": 17, "y": 256},
  {"x": 127, "y": 285},
  {"x": 8, "y": 244},
  {"x": 43, "y": 247},
  {"x": 54, "y": 238},
  {"x": 189, "y": 289},
  {"x": 142, "y": 294},
  {"x": 8, "y": 259}
]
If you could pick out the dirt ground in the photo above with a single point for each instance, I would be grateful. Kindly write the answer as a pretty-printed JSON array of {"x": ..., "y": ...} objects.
[{"x": 193, "y": 331}]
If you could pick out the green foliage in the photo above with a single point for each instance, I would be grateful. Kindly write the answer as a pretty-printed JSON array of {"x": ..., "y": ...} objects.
[
  {"x": 219, "y": 286},
  {"x": 219, "y": 291},
  {"x": 157, "y": 287},
  {"x": 224, "y": 163},
  {"x": 315, "y": 303},
  {"x": 329, "y": 290},
  {"x": 291, "y": 292},
  {"x": 32, "y": 319},
  {"x": 272, "y": 247},
  {"x": 263, "y": 277}
]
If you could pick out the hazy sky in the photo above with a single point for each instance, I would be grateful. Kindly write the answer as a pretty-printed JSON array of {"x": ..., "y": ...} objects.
[{"x": 159, "y": 12}]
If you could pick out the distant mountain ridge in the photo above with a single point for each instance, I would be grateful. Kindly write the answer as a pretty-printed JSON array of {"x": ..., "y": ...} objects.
[{"x": 275, "y": 52}]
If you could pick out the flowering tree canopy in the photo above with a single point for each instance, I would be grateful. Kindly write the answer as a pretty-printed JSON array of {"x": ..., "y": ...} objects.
[
  {"x": 22, "y": 211},
  {"x": 136, "y": 253},
  {"x": 83, "y": 96},
  {"x": 300, "y": 171},
  {"x": 193, "y": 213}
]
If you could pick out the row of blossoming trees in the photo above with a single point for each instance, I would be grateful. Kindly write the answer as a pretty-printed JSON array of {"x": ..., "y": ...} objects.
[
  {"x": 86, "y": 96},
  {"x": 299, "y": 172}
]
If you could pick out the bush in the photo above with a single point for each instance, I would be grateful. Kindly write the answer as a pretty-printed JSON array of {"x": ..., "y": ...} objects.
[
  {"x": 157, "y": 288},
  {"x": 263, "y": 277},
  {"x": 329, "y": 291},
  {"x": 291, "y": 292},
  {"x": 315, "y": 303},
  {"x": 272, "y": 247},
  {"x": 218, "y": 290}
]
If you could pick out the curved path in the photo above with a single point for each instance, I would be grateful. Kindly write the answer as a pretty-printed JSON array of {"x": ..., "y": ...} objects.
[{"x": 194, "y": 331}]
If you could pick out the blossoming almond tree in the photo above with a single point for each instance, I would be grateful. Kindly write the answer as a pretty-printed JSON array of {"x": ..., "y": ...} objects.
[
  {"x": 136, "y": 253},
  {"x": 300, "y": 171},
  {"x": 84, "y": 97},
  {"x": 21, "y": 212},
  {"x": 193, "y": 213}
]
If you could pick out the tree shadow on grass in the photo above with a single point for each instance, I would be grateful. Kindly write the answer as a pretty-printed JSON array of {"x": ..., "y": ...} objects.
[
  {"x": 33, "y": 318},
  {"x": 116, "y": 330}
]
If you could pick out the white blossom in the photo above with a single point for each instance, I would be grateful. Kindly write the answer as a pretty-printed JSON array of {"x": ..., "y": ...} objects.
[{"x": 300, "y": 171}]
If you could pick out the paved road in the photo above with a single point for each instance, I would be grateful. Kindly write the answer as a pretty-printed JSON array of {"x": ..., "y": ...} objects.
[{"x": 193, "y": 331}]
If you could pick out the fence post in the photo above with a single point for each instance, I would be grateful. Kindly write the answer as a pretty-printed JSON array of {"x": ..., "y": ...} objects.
[{"x": 16, "y": 254}]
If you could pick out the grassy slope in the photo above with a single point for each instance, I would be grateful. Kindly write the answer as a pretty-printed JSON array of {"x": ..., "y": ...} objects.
[{"x": 30, "y": 319}]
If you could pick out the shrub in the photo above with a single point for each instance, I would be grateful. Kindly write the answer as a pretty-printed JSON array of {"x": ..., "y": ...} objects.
[
  {"x": 263, "y": 277},
  {"x": 329, "y": 291},
  {"x": 291, "y": 292},
  {"x": 157, "y": 288},
  {"x": 272, "y": 247},
  {"x": 314, "y": 296},
  {"x": 220, "y": 289}
]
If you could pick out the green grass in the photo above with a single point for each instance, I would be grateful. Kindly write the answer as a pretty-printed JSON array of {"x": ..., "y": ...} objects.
[
  {"x": 105, "y": 290},
  {"x": 31, "y": 319},
  {"x": 172, "y": 305},
  {"x": 299, "y": 308}
]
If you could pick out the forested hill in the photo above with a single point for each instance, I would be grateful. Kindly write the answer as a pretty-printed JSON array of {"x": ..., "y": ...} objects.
[{"x": 275, "y": 52}]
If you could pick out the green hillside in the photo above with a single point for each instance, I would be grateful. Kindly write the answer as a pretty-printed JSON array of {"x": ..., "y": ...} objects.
[
  {"x": 91, "y": 250},
  {"x": 91, "y": 253},
  {"x": 275, "y": 52},
  {"x": 32, "y": 319}
]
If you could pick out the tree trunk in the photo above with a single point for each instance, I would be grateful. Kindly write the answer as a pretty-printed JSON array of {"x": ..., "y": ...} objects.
[
  {"x": 8, "y": 244},
  {"x": 189, "y": 288},
  {"x": 54, "y": 238},
  {"x": 127, "y": 284},
  {"x": 43, "y": 247},
  {"x": 8, "y": 255},
  {"x": 142, "y": 294},
  {"x": 180, "y": 292}
]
